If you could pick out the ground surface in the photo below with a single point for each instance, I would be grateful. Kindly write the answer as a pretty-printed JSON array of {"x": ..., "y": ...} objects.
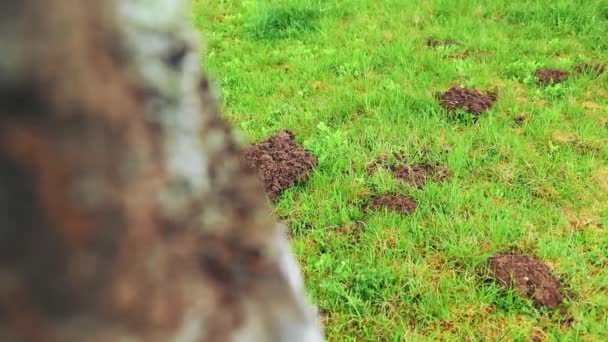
[
  {"x": 280, "y": 163},
  {"x": 358, "y": 82}
]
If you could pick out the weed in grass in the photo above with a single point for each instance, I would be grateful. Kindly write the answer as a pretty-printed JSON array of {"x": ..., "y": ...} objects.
[
  {"x": 283, "y": 22},
  {"x": 326, "y": 144}
]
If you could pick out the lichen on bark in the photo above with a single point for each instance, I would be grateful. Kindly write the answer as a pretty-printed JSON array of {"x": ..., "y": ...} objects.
[{"x": 126, "y": 212}]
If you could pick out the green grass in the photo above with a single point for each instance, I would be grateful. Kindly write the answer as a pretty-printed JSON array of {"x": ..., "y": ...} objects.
[{"x": 354, "y": 80}]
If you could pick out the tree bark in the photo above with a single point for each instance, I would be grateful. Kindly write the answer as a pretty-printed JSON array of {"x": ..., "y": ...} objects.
[{"x": 126, "y": 213}]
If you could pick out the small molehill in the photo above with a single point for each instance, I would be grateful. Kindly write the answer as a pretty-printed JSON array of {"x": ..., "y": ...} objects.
[
  {"x": 547, "y": 77},
  {"x": 398, "y": 203},
  {"x": 529, "y": 276},
  {"x": 520, "y": 119},
  {"x": 434, "y": 43},
  {"x": 280, "y": 163},
  {"x": 460, "y": 55},
  {"x": 418, "y": 175},
  {"x": 470, "y": 100},
  {"x": 590, "y": 68}
]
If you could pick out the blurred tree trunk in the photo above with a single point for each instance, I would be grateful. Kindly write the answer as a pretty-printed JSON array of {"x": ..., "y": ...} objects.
[{"x": 125, "y": 211}]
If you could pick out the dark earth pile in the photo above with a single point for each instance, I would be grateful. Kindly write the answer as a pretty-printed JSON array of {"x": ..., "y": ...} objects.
[
  {"x": 520, "y": 119},
  {"x": 433, "y": 43},
  {"x": 280, "y": 163},
  {"x": 529, "y": 276},
  {"x": 470, "y": 100},
  {"x": 418, "y": 175},
  {"x": 547, "y": 77},
  {"x": 401, "y": 204}
]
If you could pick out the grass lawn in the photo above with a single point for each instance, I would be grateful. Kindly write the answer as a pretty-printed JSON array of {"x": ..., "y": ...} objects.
[{"x": 356, "y": 81}]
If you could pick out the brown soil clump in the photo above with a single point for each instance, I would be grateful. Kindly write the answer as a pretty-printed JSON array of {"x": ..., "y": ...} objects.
[
  {"x": 470, "y": 100},
  {"x": 418, "y": 175},
  {"x": 460, "y": 55},
  {"x": 401, "y": 204},
  {"x": 280, "y": 163},
  {"x": 547, "y": 77},
  {"x": 381, "y": 163},
  {"x": 590, "y": 68},
  {"x": 434, "y": 43},
  {"x": 520, "y": 119},
  {"x": 529, "y": 276}
]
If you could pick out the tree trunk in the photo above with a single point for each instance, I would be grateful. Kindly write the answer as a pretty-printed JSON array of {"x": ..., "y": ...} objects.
[{"x": 126, "y": 213}]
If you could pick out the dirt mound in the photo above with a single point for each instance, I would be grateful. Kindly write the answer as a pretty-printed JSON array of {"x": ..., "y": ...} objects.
[
  {"x": 433, "y": 43},
  {"x": 547, "y": 77},
  {"x": 460, "y": 55},
  {"x": 401, "y": 204},
  {"x": 470, "y": 100},
  {"x": 520, "y": 119},
  {"x": 280, "y": 163},
  {"x": 529, "y": 276},
  {"x": 418, "y": 175},
  {"x": 381, "y": 163},
  {"x": 590, "y": 68}
]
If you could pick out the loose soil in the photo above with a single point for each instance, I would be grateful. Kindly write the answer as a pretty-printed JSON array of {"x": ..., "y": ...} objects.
[
  {"x": 520, "y": 119},
  {"x": 460, "y": 55},
  {"x": 398, "y": 203},
  {"x": 381, "y": 162},
  {"x": 280, "y": 163},
  {"x": 590, "y": 68},
  {"x": 418, "y": 175},
  {"x": 529, "y": 276},
  {"x": 547, "y": 77},
  {"x": 470, "y": 100},
  {"x": 351, "y": 231},
  {"x": 433, "y": 43}
]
